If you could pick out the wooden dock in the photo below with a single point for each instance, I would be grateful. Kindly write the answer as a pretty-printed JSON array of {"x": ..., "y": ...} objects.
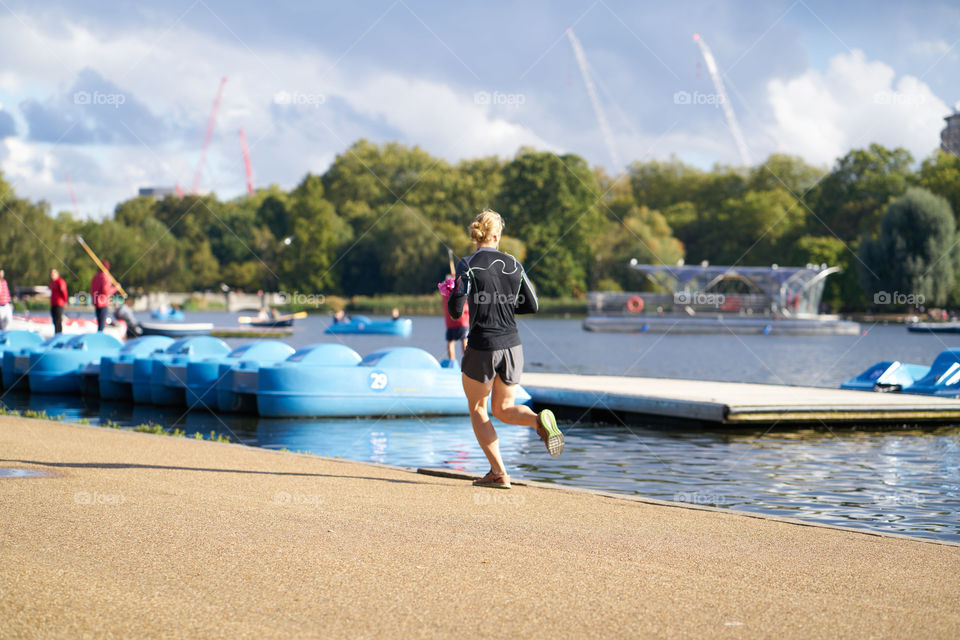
[{"x": 733, "y": 403}]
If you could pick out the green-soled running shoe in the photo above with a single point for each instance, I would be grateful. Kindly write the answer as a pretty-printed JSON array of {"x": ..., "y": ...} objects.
[{"x": 549, "y": 433}]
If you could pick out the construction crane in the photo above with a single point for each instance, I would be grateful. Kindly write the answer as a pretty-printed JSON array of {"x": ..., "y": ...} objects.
[
  {"x": 594, "y": 99},
  {"x": 246, "y": 161},
  {"x": 211, "y": 123},
  {"x": 73, "y": 196},
  {"x": 724, "y": 100}
]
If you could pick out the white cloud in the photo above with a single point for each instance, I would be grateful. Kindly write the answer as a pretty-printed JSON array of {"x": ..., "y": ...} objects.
[
  {"x": 821, "y": 116},
  {"x": 931, "y": 48},
  {"x": 175, "y": 75}
]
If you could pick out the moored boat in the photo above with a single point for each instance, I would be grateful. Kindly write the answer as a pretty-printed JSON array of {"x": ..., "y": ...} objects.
[
  {"x": 168, "y": 375},
  {"x": 59, "y": 369},
  {"x": 941, "y": 378},
  {"x": 332, "y": 380},
  {"x": 176, "y": 329},
  {"x": 16, "y": 362},
  {"x": 43, "y": 325},
  {"x": 141, "y": 373},
  {"x": 168, "y": 314},
  {"x": 15, "y": 340},
  {"x": 204, "y": 376},
  {"x": 887, "y": 376},
  {"x": 364, "y": 325},
  {"x": 934, "y": 327},
  {"x": 115, "y": 381}
]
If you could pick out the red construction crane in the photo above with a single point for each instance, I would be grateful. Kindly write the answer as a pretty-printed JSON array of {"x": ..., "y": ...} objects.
[
  {"x": 211, "y": 123},
  {"x": 246, "y": 161},
  {"x": 73, "y": 196}
]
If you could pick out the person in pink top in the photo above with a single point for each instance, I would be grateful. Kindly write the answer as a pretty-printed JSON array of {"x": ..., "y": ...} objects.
[
  {"x": 458, "y": 328},
  {"x": 6, "y": 306},
  {"x": 101, "y": 289}
]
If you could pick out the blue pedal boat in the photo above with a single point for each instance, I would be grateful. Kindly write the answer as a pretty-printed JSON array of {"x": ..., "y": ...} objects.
[
  {"x": 167, "y": 315},
  {"x": 16, "y": 363},
  {"x": 887, "y": 376},
  {"x": 59, "y": 369},
  {"x": 115, "y": 381},
  {"x": 15, "y": 340},
  {"x": 238, "y": 382},
  {"x": 364, "y": 325},
  {"x": 168, "y": 377},
  {"x": 943, "y": 377},
  {"x": 331, "y": 380},
  {"x": 142, "y": 371},
  {"x": 204, "y": 376}
]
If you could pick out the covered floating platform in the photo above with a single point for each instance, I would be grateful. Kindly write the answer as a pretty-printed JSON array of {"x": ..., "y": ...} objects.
[
  {"x": 721, "y": 299},
  {"x": 731, "y": 403}
]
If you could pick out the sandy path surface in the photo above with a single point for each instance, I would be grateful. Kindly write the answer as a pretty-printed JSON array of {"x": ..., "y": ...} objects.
[{"x": 140, "y": 535}]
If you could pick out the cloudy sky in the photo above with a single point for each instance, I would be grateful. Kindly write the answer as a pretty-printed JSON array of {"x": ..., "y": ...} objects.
[{"x": 118, "y": 95}]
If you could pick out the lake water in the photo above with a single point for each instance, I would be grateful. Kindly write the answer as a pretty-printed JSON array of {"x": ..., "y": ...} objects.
[{"x": 896, "y": 481}]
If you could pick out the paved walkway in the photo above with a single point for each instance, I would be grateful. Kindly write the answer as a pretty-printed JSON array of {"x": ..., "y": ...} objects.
[{"x": 138, "y": 535}]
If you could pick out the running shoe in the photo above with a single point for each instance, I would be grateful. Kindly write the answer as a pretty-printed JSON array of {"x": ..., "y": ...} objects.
[
  {"x": 493, "y": 481},
  {"x": 549, "y": 433}
]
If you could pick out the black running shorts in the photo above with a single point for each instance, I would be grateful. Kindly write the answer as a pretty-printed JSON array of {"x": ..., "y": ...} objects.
[{"x": 483, "y": 365}]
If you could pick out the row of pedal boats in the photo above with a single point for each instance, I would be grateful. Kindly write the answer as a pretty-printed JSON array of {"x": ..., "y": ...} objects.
[{"x": 266, "y": 377}]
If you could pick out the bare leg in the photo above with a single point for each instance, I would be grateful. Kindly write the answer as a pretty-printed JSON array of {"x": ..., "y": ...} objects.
[
  {"x": 505, "y": 409},
  {"x": 451, "y": 350},
  {"x": 477, "y": 394}
]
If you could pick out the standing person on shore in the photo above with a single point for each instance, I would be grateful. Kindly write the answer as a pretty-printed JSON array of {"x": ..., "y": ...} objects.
[
  {"x": 101, "y": 289},
  {"x": 495, "y": 287},
  {"x": 456, "y": 327},
  {"x": 58, "y": 299},
  {"x": 6, "y": 304}
]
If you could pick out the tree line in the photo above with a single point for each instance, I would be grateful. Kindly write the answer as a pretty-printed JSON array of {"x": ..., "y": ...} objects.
[{"x": 380, "y": 218}]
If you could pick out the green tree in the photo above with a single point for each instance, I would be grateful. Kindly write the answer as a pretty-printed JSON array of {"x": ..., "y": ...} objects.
[
  {"x": 915, "y": 252},
  {"x": 30, "y": 244},
  {"x": 781, "y": 171},
  {"x": 756, "y": 229},
  {"x": 940, "y": 173},
  {"x": 551, "y": 203},
  {"x": 850, "y": 200},
  {"x": 319, "y": 234}
]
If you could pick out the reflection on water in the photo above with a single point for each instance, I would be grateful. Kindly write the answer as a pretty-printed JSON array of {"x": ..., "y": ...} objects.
[{"x": 900, "y": 481}]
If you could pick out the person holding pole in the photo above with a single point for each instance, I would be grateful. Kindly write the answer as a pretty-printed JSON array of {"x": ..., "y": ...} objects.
[
  {"x": 101, "y": 290},
  {"x": 58, "y": 299}
]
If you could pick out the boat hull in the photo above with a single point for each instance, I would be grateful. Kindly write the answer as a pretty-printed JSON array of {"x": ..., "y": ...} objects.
[
  {"x": 399, "y": 381},
  {"x": 176, "y": 330},
  {"x": 720, "y": 324}
]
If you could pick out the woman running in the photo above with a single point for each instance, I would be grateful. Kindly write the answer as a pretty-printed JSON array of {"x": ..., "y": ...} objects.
[{"x": 495, "y": 287}]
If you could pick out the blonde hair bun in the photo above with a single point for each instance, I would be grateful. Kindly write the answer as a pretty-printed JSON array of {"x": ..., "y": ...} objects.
[{"x": 486, "y": 225}]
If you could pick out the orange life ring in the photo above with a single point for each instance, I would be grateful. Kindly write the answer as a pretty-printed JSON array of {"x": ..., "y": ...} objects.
[{"x": 635, "y": 304}]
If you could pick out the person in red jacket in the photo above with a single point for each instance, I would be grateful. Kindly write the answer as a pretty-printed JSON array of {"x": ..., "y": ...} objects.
[
  {"x": 58, "y": 299},
  {"x": 456, "y": 328},
  {"x": 101, "y": 289}
]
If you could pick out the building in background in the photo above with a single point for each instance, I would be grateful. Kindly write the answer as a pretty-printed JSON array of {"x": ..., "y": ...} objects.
[
  {"x": 950, "y": 136},
  {"x": 157, "y": 192}
]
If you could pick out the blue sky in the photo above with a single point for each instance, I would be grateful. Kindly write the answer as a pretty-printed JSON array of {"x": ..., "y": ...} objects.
[{"x": 118, "y": 94}]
